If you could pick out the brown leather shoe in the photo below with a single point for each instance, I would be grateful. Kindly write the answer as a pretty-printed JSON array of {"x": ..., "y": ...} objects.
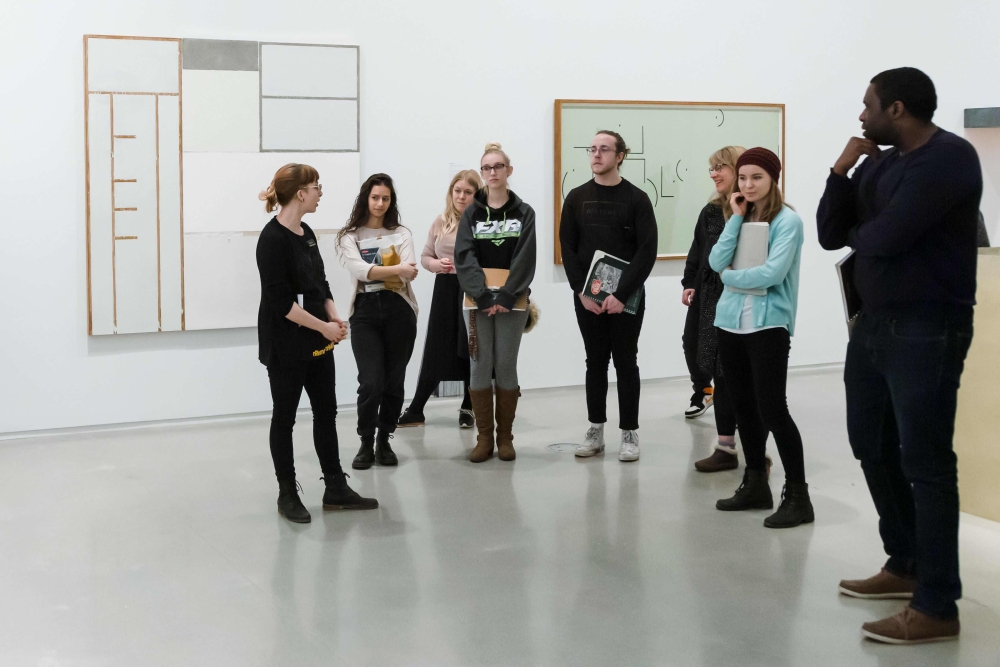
[
  {"x": 912, "y": 627},
  {"x": 718, "y": 461},
  {"x": 883, "y": 586},
  {"x": 506, "y": 409},
  {"x": 482, "y": 407}
]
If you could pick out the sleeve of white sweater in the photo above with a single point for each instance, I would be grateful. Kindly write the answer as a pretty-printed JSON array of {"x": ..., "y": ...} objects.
[{"x": 350, "y": 256}]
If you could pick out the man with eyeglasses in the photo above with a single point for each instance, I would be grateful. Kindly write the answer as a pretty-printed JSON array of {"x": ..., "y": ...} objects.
[{"x": 614, "y": 216}]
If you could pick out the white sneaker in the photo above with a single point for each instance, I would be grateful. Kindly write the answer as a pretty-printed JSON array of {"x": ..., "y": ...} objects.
[
  {"x": 630, "y": 446},
  {"x": 593, "y": 443}
]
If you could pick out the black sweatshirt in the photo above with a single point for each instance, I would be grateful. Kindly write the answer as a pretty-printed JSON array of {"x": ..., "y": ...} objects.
[
  {"x": 496, "y": 238},
  {"x": 912, "y": 221},
  {"x": 615, "y": 219},
  {"x": 289, "y": 265}
]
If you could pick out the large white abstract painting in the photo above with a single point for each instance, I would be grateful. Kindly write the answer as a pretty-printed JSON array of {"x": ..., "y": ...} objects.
[{"x": 181, "y": 136}]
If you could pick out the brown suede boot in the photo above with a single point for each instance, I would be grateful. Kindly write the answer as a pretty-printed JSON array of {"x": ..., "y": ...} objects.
[
  {"x": 506, "y": 408},
  {"x": 482, "y": 407}
]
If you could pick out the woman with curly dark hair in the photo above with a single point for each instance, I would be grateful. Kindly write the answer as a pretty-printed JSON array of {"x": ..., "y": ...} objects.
[{"x": 377, "y": 251}]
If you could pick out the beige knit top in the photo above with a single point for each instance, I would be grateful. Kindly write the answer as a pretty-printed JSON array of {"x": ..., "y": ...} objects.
[{"x": 439, "y": 246}]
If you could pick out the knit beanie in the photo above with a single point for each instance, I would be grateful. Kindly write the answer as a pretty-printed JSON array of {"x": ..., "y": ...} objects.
[{"x": 762, "y": 158}]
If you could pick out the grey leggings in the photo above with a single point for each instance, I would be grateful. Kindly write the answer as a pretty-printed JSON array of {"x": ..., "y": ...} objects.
[{"x": 499, "y": 341}]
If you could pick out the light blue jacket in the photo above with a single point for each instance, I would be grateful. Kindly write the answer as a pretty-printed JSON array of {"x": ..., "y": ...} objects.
[{"x": 779, "y": 274}]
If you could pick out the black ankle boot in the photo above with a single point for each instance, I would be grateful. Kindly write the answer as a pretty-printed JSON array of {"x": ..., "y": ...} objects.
[
  {"x": 753, "y": 494},
  {"x": 795, "y": 508},
  {"x": 289, "y": 505},
  {"x": 339, "y": 496},
  {"x": 366, "y": 455},
  {"x": 383, "y": 452}
]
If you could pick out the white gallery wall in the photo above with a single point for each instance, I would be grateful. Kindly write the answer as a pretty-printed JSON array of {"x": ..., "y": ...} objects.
[{"x": 439, "y": 80}]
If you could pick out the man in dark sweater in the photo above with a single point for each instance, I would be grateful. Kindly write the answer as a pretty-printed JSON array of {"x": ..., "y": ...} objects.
[
  {"x": 610, "y": 214},
  {"x": 910, "y": 215}
]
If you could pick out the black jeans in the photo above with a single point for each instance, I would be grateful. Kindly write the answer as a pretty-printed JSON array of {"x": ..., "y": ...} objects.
[
  {"x": 318, "y": 377},
  {"x": 756, "y": 369},
  {"x": 383, "y": 329},
  {"x": 902, "y": 375},
  {"x": 606, "y": 336},
  {"x": 689, "y": 340}
]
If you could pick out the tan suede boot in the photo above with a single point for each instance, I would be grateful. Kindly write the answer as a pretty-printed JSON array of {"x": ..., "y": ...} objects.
[
  {"x": 506, "y": 408},
  {"x": 482, "y": 407}
]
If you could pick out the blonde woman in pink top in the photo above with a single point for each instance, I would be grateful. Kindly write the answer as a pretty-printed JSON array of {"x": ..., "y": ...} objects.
[{"x": 446, "y": 352}]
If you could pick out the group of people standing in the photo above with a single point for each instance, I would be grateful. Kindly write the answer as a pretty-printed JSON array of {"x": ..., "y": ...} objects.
[
  {"x": 475, "y": 330},
  {"x": 909, "y": 213}
]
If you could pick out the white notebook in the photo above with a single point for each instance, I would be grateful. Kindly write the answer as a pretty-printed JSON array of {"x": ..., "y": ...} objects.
[{"x": 751, "y": 251}]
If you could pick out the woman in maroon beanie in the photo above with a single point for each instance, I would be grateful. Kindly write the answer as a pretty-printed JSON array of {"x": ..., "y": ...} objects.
[{"x": 756, "y": 320}]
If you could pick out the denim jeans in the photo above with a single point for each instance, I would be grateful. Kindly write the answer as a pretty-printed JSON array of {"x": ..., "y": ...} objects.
[
  {"x": 383, "y": 329},
  {"x": 902, "y": 375}
]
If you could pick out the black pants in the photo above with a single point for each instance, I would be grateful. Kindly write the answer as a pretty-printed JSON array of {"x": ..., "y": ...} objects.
[
  {"x": 725, "y": 413},
  {"x": 318, "y": 377},
  {"x": 606, "y": 337},
  {"x": 699, "y": 378},
  {"x": 383, "y": 329},
  {"x": 426, "y": 383},
  {"x": 756, "y": 369},
  {"x": 902, "y": 375}
]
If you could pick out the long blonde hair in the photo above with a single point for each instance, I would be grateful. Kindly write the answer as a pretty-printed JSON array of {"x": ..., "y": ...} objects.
[
  {"x": 451, "y": 216},
  {"x": 727, "y": 157}
]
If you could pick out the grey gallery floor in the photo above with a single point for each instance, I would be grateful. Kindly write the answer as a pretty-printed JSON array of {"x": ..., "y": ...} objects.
[{"x": 162, "y": 546}]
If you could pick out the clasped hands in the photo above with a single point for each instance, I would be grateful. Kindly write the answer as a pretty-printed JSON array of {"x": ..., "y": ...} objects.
[{"x": 611, "y": 305}]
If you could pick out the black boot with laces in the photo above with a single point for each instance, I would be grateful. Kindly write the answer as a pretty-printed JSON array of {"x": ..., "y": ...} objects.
[
  {"x": 384, "y": 455},
  {"x": 366, "y": 454},
  {"x": 795, "y": 508},
  {"x": 339, "y": 496},
  {"x": 753, "y": 494},
  {"x": 289, "y": 505}
]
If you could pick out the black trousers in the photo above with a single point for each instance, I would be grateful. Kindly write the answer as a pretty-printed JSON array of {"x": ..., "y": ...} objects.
[
  {"x": 606, "y": 337},
  {"x": 725, "y": 413},
  {"x": 689, "y": 340},
  {"x": 902, "y": 375},
  {"x": 318, "y": 377},
  {"x": 756, "y": 369},
  {"x": 383, "y": 329},
  {"x": 427, "y": 381}
]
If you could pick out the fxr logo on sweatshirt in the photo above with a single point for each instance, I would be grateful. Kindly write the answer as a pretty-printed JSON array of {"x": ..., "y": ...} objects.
[{"x": 497, "y": 230}]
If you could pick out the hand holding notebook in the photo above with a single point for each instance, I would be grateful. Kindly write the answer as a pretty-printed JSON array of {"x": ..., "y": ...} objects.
[
  {"x": 495, "y": 279},
  {"x": 751, "y": 251}
]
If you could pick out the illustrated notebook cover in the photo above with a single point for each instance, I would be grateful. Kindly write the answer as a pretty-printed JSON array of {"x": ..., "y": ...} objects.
[{"x": 603, "y": 278}]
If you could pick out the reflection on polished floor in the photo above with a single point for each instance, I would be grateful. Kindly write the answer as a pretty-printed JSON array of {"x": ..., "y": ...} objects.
[{"x": 162, "y": 546}]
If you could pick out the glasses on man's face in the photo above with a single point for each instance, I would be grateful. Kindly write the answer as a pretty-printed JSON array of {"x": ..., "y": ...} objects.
[
  {"x": 716, "y": 169},
  {"x": 495, "y": 169},
  {"x": 601, "y": 150}
]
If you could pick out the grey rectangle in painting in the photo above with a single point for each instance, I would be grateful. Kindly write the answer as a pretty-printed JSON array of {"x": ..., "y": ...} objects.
[
  {"x": 986, "y": 117},
  {"x": 219, "y": 54}
]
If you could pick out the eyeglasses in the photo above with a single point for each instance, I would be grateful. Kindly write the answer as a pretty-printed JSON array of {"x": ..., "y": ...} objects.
[
  {"x": 496, "y": 168},
  {"x": 716, "y": 168},
  {"x": 318, "y": 186},
  {"x": 603, "y": 150}
]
